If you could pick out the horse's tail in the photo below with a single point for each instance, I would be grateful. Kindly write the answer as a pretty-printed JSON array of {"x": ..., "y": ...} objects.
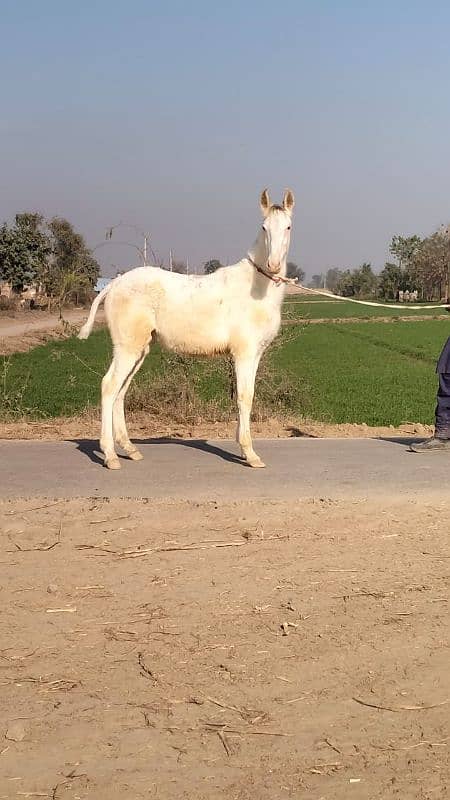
[{"x": 87, "y": 327}]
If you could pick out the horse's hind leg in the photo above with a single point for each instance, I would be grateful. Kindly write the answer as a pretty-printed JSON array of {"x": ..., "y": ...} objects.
[
  {"x": 119, "y": 425},
  {"x": 120, "y": 372}
]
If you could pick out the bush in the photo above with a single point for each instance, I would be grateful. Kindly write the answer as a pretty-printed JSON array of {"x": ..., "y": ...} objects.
[
  {"x": 192, "y": 391},
  {"x": 10, "y": 303}
]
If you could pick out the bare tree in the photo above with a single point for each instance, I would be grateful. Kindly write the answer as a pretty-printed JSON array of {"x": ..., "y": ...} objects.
[{"x": 430, "y": 266}]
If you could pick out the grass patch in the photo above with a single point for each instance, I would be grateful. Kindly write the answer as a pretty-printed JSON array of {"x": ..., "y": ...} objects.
[
  {"x": 62, "y": 378},
  {"x": 189, "y": 390},
  {"x": 379, "y": 374}
]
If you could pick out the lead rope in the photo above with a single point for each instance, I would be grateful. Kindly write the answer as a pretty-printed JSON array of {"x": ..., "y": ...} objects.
[
  {"x": 369, "y": 303},
  {"x": 277, "y": 279}
]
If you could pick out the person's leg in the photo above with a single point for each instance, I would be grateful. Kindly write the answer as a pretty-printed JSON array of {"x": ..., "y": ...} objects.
[
  {"x": 442, "y": 425},
  {"x": 441, "y": 438}
]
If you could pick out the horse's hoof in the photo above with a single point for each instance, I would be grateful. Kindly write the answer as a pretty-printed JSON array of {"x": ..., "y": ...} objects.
[
  {"x": 112, "y": 463},
  {"x": 256, "y": 464},
  {"x": 135, "y": 455}
]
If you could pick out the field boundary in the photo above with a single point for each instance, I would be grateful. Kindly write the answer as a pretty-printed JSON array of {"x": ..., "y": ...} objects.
[{"x": 348, "y": 320}]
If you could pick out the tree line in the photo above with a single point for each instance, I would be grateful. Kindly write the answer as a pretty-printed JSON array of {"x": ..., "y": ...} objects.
[
  {"x": 51, "y": 256},
  {"x": 418, "y": 265},
  {"x": 292, "y": 269},
  {"x": 48, "y": 254}
]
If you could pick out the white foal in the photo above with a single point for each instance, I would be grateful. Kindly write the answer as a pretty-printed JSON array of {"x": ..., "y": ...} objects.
[{"x": 237, "y": 309}]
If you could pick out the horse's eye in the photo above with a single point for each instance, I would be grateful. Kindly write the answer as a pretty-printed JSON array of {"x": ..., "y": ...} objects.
[
  {"x": 263, "y": 227},
  {"x": 289, "y": 227}
]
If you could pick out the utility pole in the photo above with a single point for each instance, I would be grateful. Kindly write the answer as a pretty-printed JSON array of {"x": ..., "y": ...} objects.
[
  {"x": 170, "y": 260},
  {"x": 145, "y": 249}
]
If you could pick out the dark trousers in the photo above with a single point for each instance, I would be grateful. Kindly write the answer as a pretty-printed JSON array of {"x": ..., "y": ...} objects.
[{"x": 442, "y": 425}]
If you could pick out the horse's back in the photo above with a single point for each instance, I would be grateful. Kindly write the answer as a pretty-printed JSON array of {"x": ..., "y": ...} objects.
[
  {"x": 191, "y": 313},
  {"x": 188, "y": 313}
]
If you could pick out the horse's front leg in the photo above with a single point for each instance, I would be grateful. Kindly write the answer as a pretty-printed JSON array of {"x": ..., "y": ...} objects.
[{"x": 245, "y": 384}]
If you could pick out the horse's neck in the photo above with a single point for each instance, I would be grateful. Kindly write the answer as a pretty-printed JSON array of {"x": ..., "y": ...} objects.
[{"x": 271, "y": 292}]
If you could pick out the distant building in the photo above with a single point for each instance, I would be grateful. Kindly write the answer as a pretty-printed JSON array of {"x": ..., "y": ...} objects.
[
  {"x": 101, "y": 283},
  {"x": 5, "y": 289}
]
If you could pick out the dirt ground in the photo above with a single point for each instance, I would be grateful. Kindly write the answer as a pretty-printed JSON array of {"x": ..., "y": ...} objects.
[
  {"x": 365, "y": 320},
  {"x": 244, "y": 651},
  {"x": 141, "y": 425}
]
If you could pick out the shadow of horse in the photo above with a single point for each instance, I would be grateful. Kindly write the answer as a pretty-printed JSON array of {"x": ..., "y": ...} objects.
[{"x": 90, "y": 448}]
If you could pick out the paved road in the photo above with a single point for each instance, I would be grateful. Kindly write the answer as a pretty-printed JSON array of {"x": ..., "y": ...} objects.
[{"x": 199, "y": 470}]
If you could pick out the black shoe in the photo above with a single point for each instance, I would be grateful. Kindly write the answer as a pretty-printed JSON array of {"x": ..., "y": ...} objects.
[{"x": 431, "y": 445}]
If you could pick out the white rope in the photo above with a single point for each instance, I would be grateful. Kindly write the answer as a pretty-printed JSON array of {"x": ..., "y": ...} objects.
[
  {"x": 404, "y": 306},
  {"x": 278, "y": 279}
]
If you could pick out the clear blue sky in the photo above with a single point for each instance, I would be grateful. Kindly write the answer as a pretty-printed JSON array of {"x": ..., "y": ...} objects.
[{"x": 173, "y": 116}]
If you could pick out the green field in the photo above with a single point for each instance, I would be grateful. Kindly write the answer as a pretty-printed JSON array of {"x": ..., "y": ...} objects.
[
  {"x": 377, "y": 373},
  {"x": 319, "y": 307},
  {"x": 62, "y": 378}
]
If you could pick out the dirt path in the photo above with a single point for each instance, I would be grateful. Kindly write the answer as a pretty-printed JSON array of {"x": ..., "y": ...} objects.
[
  {"x": 143, "y": 425},
  {"x": 28, "y": 321},
  {"x": 363, "y": 320},
  {"x": 305, "y": 658},
  {"x": 31, "y": 328}
]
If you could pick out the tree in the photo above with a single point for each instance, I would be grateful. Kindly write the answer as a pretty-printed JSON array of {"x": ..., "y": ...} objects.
[
  {"x": 390, "y": 281},
  {"x": 403, "y": 249},
  {"x": 316, "y": 282},
  {"x": 332, "y": 279},
  {"x": 71, "y": 268},
  {"x": 294, "y": 271},
  {"x": 444, "y": 232},
  {"x": 24, "y": 250},
  {"x": 50, "y": 254},
  {"x": 211, "y": 266},
  {"x": 365, "y": 281},
  {"x": 345, "y": 285},
  {"x": 430, "y": 266},
  {"x": 360, "y": 282}
]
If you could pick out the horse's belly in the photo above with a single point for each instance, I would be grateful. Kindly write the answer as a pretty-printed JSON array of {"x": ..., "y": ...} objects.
[{"x": 187, "y": 334}]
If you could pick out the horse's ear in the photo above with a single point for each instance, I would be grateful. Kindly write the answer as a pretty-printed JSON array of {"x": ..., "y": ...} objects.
[
  {"x": 264, "y": 202},
  {"x": 288, "y": 201}
]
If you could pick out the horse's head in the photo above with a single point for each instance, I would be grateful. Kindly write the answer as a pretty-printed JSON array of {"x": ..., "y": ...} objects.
[{"x": 276, "y": 231}]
